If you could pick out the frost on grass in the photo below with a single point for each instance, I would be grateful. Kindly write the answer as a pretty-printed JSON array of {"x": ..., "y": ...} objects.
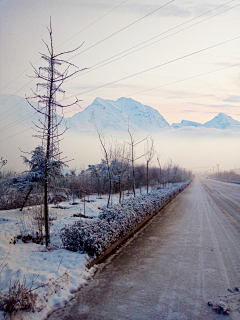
[{"x": 95, "y": 236}]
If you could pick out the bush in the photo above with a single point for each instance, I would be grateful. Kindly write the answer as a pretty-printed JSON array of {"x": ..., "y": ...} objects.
[
  {"x": 95, "y": 236},
  {"x": 19, "y": 297}
]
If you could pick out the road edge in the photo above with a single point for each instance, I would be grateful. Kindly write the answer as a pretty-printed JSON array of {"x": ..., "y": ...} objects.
[{"x": 114, "y": 247}]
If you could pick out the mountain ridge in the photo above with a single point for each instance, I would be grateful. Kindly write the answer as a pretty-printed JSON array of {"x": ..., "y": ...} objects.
[
  {"x": 110, "y": 116},
  {"x": 221, "y": 121},
  {"x": 115, "y": 115}
]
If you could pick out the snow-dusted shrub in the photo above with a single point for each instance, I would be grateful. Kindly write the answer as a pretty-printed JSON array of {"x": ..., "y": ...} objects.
[
  {"x": 95, "y": 236},
  {"x": 20, "y": 296},
  {"x": 91, "y": 236}
]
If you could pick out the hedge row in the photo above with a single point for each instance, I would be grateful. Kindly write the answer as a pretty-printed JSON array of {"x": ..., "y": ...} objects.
[{"x": 95, "y": 236}]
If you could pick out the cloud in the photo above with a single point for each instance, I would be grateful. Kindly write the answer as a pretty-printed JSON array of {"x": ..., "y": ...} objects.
[
  {"x": 170, "y": 10},
  {"x": 232, "y": 99},
  {"x": 189, "y": 111},
  {"x": 184, "y": 9},
  {"x": 220, "y": 106}
]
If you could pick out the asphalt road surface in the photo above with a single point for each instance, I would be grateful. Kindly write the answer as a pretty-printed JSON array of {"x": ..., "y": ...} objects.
[{"x": 186, "y": 256}]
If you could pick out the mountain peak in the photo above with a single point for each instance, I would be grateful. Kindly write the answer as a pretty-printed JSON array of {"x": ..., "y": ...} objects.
[
  {"x": 223, "y": 121},
  {"x": 223, "y": 115},
  {"x": 126, "y": 99},
  {"x": 114, "y": 115},
  {"x": 186, "y": 123},
  {"x": 97, "y": 100}
]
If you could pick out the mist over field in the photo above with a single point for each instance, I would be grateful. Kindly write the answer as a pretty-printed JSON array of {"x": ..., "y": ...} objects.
[{"x": 191, "y": 148}]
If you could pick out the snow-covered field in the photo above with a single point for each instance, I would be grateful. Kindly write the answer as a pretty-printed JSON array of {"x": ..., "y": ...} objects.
[{"x": 64, "y": 271}]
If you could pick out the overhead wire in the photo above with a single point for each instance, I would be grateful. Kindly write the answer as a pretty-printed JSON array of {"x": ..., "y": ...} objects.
[
  {"x": 185, "y": 79},
  {"x": 93, "y": 23},
  {"x": 181, "y": 80},
  {"x": 13, "y": 95},
  {"x": 149, "y": 69},
  {"x": 15, "y": 134},
  {"x": 95, "y": 43},
  {"x": 102, "y": 65},
  {"x": 158, "y": 65},
  {"x": 63, "y": 43},
  {"x": 152, "y": 68},
  {"x": 129, "y": 25},
  {"x": 164, "y": 85},
  {"x": 91, "y": 68},
  {"x": 31, "y": 127},
  {"x": 56, "y": 47},
  {"x": 16, "y": 122}
]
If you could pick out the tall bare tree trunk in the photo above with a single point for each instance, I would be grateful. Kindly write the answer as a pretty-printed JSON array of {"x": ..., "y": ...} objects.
[
  {"x": 147, "y": 176},
  {"x": 25, "y": 200},
  {"x": 53, "y": 81}
]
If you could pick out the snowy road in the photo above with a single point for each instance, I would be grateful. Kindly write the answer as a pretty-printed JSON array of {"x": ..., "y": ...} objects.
[{"x": 187, "y": 255}]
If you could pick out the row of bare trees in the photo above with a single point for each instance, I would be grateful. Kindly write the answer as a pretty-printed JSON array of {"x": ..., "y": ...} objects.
[
  {"x": 119, "y": 165},
  {"x": 231, "y": 175},
  {"x": 118, "y": 175}
]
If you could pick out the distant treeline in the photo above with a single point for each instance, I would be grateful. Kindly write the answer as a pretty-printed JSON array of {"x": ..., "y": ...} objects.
[
  {"x": 93, "y": 180},
  {"x": 231, "y": 176}
]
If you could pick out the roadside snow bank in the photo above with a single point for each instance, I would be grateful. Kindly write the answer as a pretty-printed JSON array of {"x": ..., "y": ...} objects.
[
  {"x": 57, "y": 273},
  {"x": 95, "y": 236}
]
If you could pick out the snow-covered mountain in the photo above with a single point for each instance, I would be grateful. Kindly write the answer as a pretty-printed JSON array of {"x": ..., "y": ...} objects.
[
  {"x": 110, "y": 116},
  {"x": 114, "y": 116},
  {"x": 221, "y": 121},
  {"x": 186, "y": 123}
]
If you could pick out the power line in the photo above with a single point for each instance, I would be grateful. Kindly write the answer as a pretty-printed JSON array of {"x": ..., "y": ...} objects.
[
  {"x": 13, "y": 95},
  {"x": 152, "y": 68},
  {"x": 137, "y": 44},
  {"x": 92, "y": 67},
  {"x": 185, "y": 79},
  {"x": 14, "y": 107},
  {"x": 31, "y": 128},
  {"x": 143, "y": 71},
  {"x": 167, "y": 84},
  {"x": 62, "y": 44},
  {"x": 129, "y": 25},
  {"x": 14, "y": 123},
  {"x": 94, "y": 23},
  {"x": 139, "y": 72},
  {"x": 94, "y": 44},
  {"x": 15, "y": 134}
]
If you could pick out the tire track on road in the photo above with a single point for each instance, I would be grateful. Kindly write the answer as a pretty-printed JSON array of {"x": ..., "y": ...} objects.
[
  {"x": 209, "y": 192},
  {"x": 217, "y": 250},
  {"x": 228, "y": 255}
]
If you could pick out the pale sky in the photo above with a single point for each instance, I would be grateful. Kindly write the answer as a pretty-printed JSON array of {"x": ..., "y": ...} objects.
[{"x": 23, "y": 26}]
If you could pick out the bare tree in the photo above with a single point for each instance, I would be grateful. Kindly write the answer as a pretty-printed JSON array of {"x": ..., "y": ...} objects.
[
  {"x": 160, "y": 168},
  {"x": 3, "y": 162},
  {"x": 107, "y": 153},
  {"x": 132, "y": 144},
  {"x": 119, "y": 165},
  {"x": 169, "y": 169},
  {"x": 95, "y": 171},
  {"x": 47, "y": 129},
  {"x": 149, "y": 153},
  {"x": 175, "y": 171}
]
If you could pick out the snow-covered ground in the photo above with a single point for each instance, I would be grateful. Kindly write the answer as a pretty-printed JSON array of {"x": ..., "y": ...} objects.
[{"x": 64, "y": 271}]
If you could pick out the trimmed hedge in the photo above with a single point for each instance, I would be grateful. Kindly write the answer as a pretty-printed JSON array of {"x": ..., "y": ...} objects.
[{"x": 95, "y": 236}]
